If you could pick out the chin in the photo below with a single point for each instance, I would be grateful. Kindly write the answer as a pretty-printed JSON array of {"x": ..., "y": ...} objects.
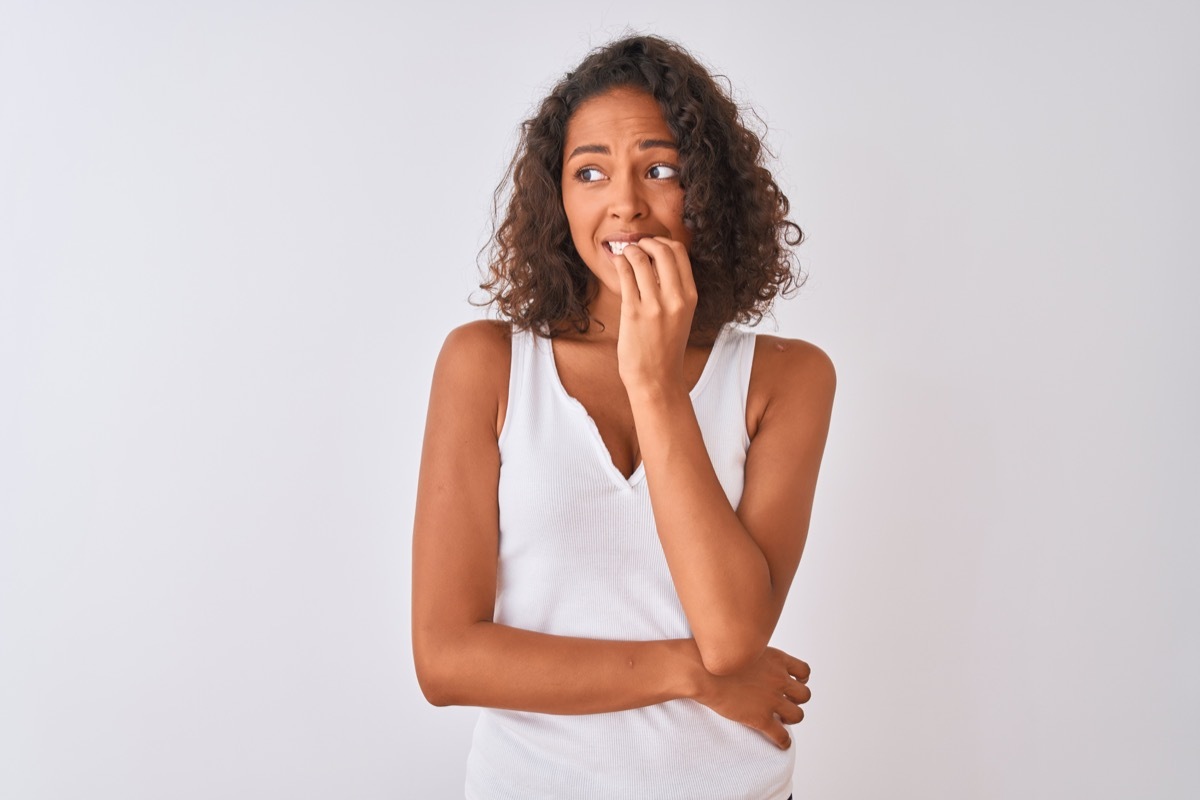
[
  {"x": 607, "y": 276},
  {"x": 611, "y": 284}
]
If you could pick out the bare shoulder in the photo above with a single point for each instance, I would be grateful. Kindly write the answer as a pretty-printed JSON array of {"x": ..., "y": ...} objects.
[
  {"x": 478, "y": 341},
  {"x": 789, "y": 373},
  {"x": 795, "y": 361},
  {"x": 473, "y": 366}
]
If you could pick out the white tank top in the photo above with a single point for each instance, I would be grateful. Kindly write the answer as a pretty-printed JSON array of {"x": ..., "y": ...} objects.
[{"x": 580, "y": 556}]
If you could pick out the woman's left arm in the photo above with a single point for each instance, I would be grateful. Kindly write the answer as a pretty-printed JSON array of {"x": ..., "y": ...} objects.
[{"x": 731, "y": 569}]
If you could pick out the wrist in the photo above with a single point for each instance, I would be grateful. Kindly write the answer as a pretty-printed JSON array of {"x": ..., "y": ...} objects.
[
  {"x": 657, "y": 412},
  {"x": 694, "y": 681},
  {"x": 657, "y": 395}
]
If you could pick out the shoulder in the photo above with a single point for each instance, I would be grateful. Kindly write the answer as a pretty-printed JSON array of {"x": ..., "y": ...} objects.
[
  {"x": 478, "y": 340},
  {"x": 473, "y": 366},
  {"x": 795, "y": 361},
  {"x": 791, "y": 375}
]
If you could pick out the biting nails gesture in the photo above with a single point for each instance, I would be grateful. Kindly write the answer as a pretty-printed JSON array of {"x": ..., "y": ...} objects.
[{"x": 658, "y": 299}]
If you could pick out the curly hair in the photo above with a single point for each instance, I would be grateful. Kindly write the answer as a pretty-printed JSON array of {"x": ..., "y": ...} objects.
[{"x": 741, "y": 237}]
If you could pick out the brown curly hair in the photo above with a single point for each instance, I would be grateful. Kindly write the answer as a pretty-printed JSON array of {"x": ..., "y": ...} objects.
[{"x": 741, "y": 237}]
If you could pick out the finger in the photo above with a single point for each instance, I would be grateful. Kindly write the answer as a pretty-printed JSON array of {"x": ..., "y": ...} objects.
[
  {"x": 789, "y": 713},
  {"x": 644, "y": 270},
  {"x": 630, "y": 296},
  {"x": 797, "y": 692},
  {"x": 778, "y": 734},
  {"x": 687, "y": 280},
  {"x": 800, "y": 669},
  {"x": 665, "y": 265},
  {"x": 683, "y": 268}
]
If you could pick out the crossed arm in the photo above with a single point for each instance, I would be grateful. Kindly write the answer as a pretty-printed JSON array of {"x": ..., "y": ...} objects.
[{"x": 732, "y": 583}]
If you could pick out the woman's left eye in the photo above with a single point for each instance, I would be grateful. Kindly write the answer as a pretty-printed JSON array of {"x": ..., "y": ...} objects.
[{"x": 671, "y": 172}]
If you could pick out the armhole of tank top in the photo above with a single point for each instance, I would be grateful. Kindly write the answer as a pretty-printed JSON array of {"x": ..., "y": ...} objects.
[
  {"x": 516, "y": 374},
  {"x": 749, "y": 341}
]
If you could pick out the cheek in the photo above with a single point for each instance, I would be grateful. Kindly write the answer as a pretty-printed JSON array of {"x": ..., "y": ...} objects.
[
  {"x": 674, "y": 202},
  {"x": 579, "y": 215}
]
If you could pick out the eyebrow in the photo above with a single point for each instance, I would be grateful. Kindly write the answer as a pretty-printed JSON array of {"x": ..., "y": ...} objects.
[{"x": 602, "y": 149}]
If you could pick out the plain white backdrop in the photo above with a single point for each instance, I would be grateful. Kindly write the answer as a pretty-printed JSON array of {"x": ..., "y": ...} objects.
[{"x": 234, "y": 235}]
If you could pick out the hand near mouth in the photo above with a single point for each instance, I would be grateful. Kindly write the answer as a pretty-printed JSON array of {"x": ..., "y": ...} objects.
[{"x": 658, "y": 299}]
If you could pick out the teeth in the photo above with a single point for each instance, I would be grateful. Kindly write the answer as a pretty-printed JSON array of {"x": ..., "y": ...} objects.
[{"x": 618, "y": 247}]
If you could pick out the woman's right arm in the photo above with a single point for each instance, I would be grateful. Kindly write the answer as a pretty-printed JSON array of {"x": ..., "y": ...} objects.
[{"x": 462, "y": 657}]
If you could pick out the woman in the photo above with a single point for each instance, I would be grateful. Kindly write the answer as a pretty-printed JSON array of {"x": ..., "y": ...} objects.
[{"x": 616, "y": 482}]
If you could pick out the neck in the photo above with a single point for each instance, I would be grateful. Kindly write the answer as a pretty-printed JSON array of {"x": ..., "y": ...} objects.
[{"x": 604, "y": 308}]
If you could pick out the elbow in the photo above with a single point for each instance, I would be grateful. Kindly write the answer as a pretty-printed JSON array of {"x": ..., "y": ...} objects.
[
  {"x": 730, "y": 658},
  {"x": 731, "y": 647},
  {"x": 442, "y": 657},
  {"x": 433, "y": 690},
  {"x": 432, "y": 677},
  {"x": 436, "y": 699}
]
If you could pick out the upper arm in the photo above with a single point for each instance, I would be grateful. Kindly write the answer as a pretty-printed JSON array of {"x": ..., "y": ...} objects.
[
  {"x": 784, "y": 459},
  {"x": 456, "y": 525}
]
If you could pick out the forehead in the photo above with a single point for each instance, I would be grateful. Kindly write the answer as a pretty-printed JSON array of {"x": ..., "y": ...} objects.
[{"x": 617, "y": 114}]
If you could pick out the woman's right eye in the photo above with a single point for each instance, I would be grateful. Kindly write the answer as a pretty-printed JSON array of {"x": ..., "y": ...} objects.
[{"x": 583, "y": 174}]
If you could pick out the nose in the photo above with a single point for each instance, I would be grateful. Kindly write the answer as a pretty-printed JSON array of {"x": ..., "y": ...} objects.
[{"x": 627, "y": 199}]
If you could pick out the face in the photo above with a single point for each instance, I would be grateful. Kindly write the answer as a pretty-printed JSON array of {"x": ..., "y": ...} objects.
[{"x": 620, "y": 178}]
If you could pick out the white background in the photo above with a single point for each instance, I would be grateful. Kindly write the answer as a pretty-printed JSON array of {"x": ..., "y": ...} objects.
[{"x": 233, "y": 236}]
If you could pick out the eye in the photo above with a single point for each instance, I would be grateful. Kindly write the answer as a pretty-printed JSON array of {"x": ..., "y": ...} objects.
[
  {"x": 583, "y": 175},
  {"x": 658, "y": 170}
]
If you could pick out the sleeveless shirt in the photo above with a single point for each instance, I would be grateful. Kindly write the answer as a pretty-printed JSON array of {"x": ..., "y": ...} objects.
[{"x": 579, "y": 555}]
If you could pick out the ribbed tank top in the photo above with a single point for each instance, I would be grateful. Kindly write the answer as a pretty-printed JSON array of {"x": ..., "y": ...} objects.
[{"x": 580, "y": 556}]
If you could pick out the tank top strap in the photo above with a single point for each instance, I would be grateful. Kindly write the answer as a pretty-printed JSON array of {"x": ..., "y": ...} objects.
[
  {"x": 741, "y": 347},
  {"x": 722, "y": 407},
  {"x": 518, "y": 382}
]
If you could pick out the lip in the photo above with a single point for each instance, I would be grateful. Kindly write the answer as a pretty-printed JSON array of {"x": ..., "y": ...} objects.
[
  {"x": 625, "y": 237},
  {"x": 632, "y": 238}
]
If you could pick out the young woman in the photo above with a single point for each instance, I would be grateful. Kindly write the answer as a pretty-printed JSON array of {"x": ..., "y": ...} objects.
[{"x": 617, "y": 479}]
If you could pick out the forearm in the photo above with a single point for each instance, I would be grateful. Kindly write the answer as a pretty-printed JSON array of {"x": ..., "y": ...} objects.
[
  {"x": 498, "y": 666},
  {"x": 721, "y": 575}
]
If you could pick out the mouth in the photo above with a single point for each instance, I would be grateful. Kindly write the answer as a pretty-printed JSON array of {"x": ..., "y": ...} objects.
[{"x": 617, "y": 244}]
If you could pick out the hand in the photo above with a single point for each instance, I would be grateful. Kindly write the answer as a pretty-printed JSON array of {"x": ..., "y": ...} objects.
[
  {"x": 763, "y": 696},
  {"x": 658, "y": 299}
]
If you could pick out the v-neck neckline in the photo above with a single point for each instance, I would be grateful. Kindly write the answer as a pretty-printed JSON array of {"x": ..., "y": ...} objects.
[{"x": 639, "y": 472}]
